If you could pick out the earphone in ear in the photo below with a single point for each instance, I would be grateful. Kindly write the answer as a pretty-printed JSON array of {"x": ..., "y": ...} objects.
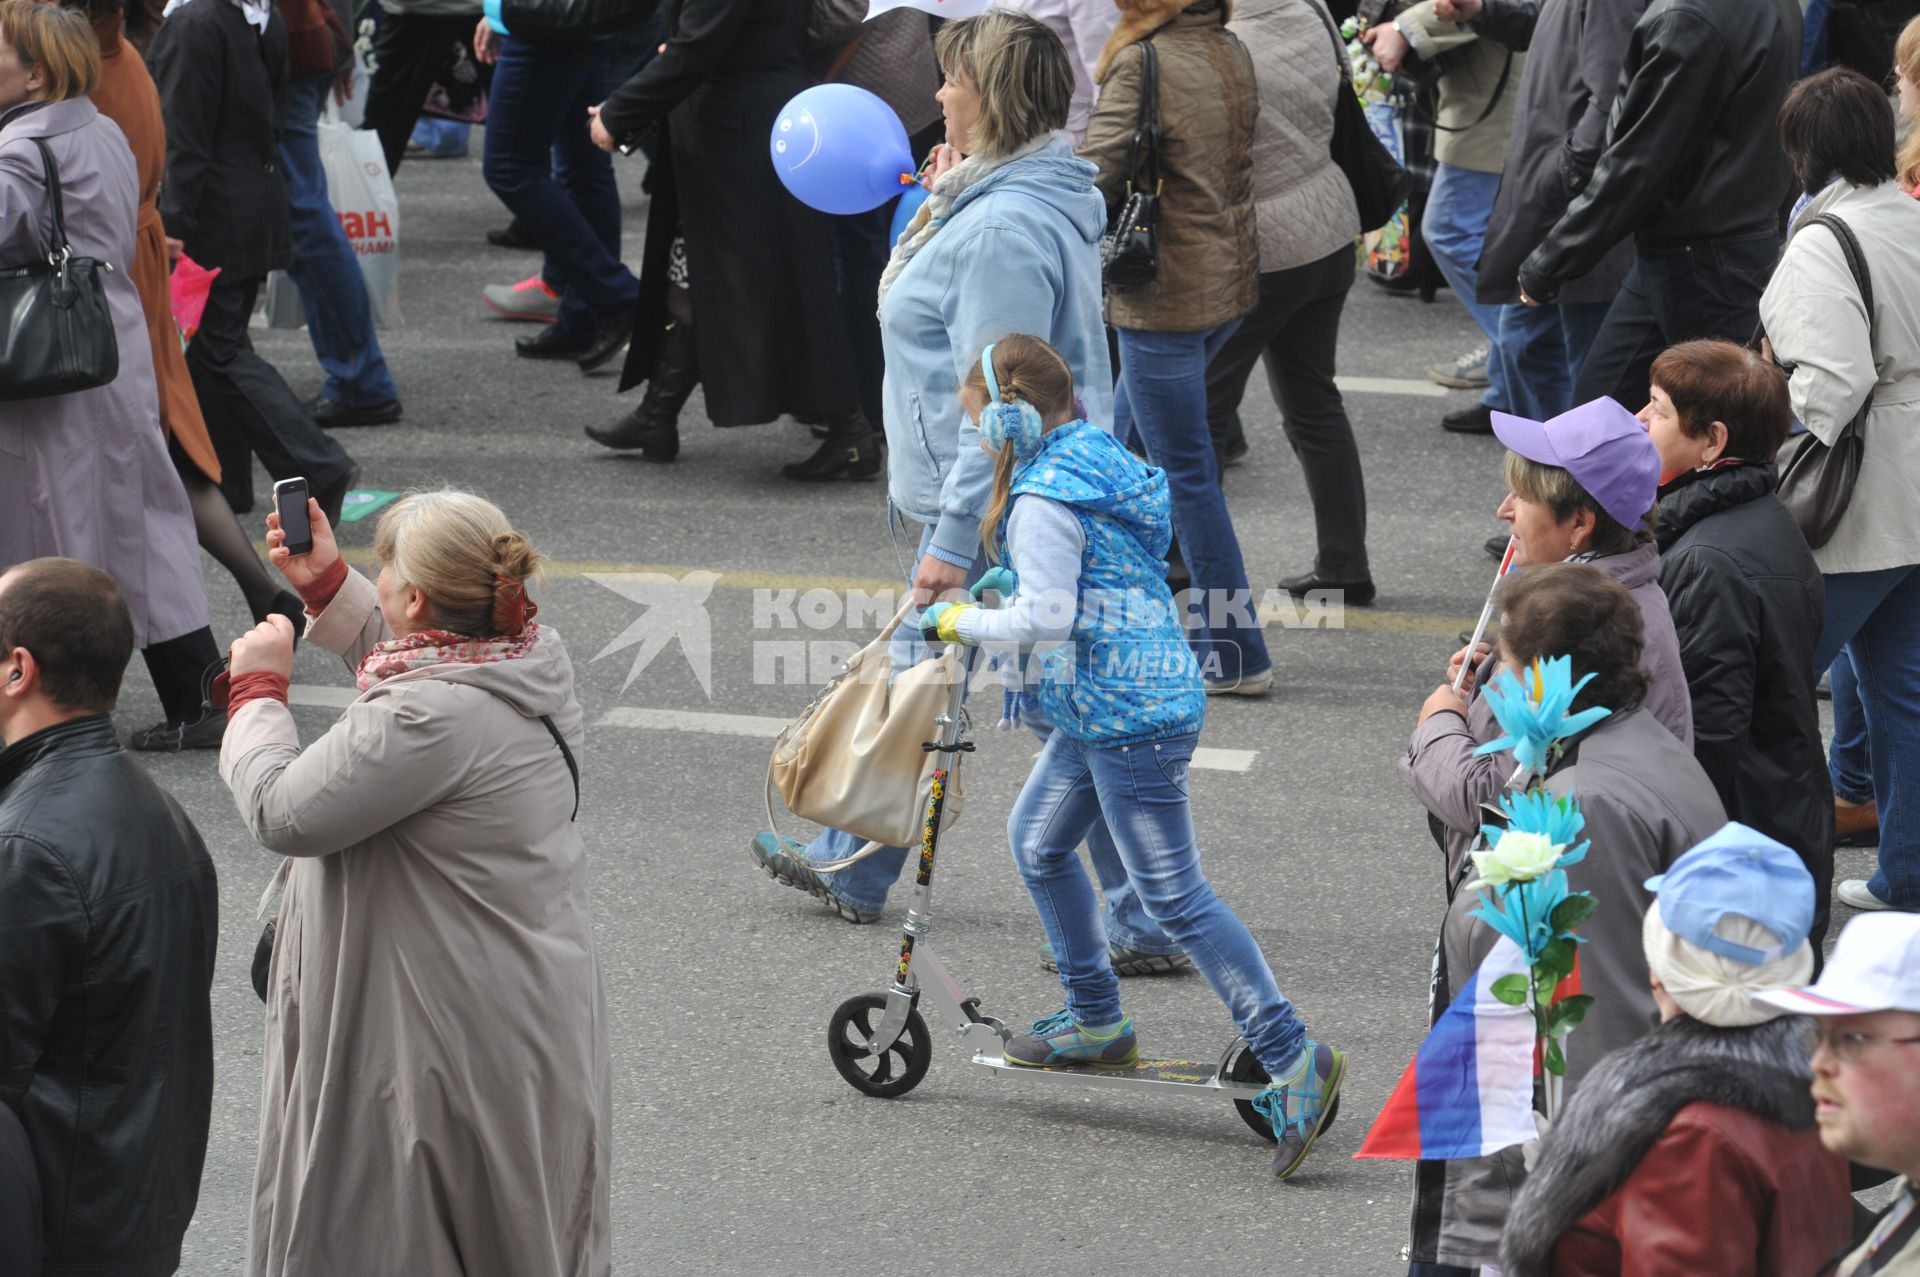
[{"x": 14, "y": 677}]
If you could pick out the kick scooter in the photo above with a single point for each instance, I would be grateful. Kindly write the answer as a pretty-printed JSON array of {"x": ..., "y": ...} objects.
[{"x": 880, "y": 1043}]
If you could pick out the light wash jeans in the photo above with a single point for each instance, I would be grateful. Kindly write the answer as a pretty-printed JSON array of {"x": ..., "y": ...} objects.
[
  {"x": 1141, "y": 793},
  {"x": 864, "y": 885},
  {"x": 1455, "y": 226},
  {"x": 1849, "y": 758}
]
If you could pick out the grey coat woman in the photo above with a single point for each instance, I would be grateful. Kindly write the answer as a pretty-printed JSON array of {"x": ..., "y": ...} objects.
[{"x": 86, "y": 476}]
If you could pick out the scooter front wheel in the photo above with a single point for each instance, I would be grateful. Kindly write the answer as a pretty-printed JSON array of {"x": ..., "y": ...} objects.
[
  {"x": 1244, "y": 1068},
  {"x": 890, "y": 1073}
]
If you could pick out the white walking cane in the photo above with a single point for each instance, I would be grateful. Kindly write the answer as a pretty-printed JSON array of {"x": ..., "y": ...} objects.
[{"x": 1486, "y": 615}]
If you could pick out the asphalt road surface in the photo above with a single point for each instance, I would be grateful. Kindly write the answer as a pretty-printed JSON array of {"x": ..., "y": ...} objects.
[{"x": 737, "y": 1149}]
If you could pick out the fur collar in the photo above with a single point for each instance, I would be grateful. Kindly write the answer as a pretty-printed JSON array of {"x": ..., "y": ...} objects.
[
  {"x": 1142, "y": 18},
  {"x": 1625, "y": 1104}
]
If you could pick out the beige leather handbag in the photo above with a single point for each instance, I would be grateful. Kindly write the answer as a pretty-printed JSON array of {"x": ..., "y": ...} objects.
[{"x": 853, "y": 760}]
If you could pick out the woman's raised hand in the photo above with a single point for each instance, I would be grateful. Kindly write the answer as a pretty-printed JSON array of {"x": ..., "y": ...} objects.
[
  {"x": 1480, "y": 653},
  {"x": 303, "y": 570}
]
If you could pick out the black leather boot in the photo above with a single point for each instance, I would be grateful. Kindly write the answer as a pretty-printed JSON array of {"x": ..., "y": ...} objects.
[
  {"x": 851, "y": 448},
  {"x": 654, "y": 426}
]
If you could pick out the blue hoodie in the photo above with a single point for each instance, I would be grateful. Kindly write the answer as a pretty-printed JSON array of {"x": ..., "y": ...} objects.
[{"x": 1020, "y": 253}]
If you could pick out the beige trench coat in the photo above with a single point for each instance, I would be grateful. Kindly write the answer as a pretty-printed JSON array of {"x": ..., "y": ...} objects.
[{"x": 436, "y": 1095}]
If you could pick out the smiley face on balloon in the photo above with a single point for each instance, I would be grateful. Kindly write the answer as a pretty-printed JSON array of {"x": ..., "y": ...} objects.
[{"x": 840, "y": 149}]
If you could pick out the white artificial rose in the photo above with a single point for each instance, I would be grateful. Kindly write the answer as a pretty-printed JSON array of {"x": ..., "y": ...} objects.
[{"x": 1517, "y": 857}]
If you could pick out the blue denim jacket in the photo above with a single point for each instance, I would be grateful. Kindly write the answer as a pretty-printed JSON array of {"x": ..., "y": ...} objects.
[{"x": 1019, "y": 254}]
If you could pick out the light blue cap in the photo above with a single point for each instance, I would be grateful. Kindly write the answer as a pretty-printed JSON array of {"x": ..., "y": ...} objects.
[{"x": 1743, "y": 872}]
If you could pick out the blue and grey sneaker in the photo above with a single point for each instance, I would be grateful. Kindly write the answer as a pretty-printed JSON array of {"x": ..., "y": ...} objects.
[
  {"x": 1298, "y": 1104},
  {"x": 786, "y": 863},
  {"x": 1058, "y": 1041}
]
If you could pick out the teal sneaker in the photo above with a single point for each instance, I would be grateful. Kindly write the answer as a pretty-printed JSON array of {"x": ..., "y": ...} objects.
[
  {"x": 1298, "y": 1104},
  {"x": 1058, "y": 1041}
]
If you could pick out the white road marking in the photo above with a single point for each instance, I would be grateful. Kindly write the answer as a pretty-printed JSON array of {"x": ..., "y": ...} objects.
[
  {"x": 328, "y": 697},
  {"x": 716, "y": 724},
  {"x": 1418, "y": 387}
]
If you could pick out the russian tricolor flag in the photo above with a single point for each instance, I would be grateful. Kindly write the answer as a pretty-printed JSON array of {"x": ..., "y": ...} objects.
[{"x": 1469, "y": 1090}]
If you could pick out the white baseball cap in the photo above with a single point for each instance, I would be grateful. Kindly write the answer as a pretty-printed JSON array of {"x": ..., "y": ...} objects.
[{"x": 1875, "y": 967}]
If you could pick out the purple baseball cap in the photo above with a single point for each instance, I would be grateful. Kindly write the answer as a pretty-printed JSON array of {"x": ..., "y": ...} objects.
[{"x": 1602, "y": 446}]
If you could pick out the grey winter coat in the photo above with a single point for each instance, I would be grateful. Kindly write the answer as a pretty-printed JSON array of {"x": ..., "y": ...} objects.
[
  {"x": 1452, "y": 783},
  {"x": 86, "y": 475},
  {"x": 1646, "y": 803},
  {"x": 1302, "y": 203},
  {"x": 1574, "y": 51}
]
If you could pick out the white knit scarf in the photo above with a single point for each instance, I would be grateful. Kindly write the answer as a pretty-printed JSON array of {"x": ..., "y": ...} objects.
[{"x": 933, "y": 214}]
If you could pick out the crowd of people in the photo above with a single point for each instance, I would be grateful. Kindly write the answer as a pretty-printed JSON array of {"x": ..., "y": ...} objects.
[{"x": 1691, "y": 245}]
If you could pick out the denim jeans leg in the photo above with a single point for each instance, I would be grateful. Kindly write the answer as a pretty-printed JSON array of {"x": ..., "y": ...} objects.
[
  {"x": 1849, "y": 759},
  {"x": 1628, "y": 339},
  {"x": 1579, "y": 325},
  {"x": 1533, "y": 359},
  {"x": 1163, "y": 393},
  {"x": 1887, "y": 661},
  {"x": 1056, "y": 808},
  {"x": 864, "y": 885},
  {"x": 586, "y": 173},
  {"x": 332, "y": 289},
  {"x": 1455, "y": 227},
  {"x": 1143, "y": 791},
  {"x": 536, "y": 107}
]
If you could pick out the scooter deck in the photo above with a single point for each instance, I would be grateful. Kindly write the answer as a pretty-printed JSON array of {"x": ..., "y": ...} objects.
[{"x": 1196, "y": 1075}]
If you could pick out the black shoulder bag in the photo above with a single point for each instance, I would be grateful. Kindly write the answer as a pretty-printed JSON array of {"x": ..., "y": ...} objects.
[
  {"x": 56, "y": 333},
  {"x": 1379, "y": 183},
  {"x": 1130, "y": 253},
  {"x": 1816, "y": 478}
]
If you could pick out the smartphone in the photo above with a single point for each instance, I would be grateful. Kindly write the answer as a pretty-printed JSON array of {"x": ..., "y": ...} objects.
[{"x": 290, "y": 501}]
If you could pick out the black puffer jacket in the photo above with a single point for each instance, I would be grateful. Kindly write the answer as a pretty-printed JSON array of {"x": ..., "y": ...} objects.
[
  {"x": 1691, "y": 150},
  {"x": 1748, "y": 604},
  {"x": 108, "y": 920}
]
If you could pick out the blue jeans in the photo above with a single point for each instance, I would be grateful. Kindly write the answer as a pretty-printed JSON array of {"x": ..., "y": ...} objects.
[
  {"x": 1141, "y": 792},
  {"x": 332, "y": 289},
  {"x": 1540, "y": 351},
  {"x": 1875, "y": 616},
  {"x": 541, "y": 163},
  {"x": 865, "y": 884},
  {"x": 1848, "y": 758},
  {"x": 1162, "y": 396},
  {"x": 1455, "y": 226}
]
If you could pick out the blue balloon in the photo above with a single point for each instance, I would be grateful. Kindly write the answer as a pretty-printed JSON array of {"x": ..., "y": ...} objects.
[
  {"x": 910, "y": 203},
  {"x": 840, "y": 149}
]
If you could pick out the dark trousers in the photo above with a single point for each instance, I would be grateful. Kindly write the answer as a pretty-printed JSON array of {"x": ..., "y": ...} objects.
[
  {"x": 183, "y": 670},
  {"x": 1295, "y": 328},
  {"x": 412, "y": 52},
  {"x": 544, "y": 167},
  {"x": 249, "y": 408},
  {"x": 1676, "y": 293}
]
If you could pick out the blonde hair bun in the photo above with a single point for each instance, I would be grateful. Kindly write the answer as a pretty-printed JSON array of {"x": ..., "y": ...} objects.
[{"x": 450, "y": 545}]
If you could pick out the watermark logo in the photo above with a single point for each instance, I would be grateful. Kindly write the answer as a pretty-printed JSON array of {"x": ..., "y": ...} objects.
[{"x": 676, "y": 608}]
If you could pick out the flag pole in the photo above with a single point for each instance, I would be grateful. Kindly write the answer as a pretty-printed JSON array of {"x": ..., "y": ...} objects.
[{"x": 1486, "y": 616}]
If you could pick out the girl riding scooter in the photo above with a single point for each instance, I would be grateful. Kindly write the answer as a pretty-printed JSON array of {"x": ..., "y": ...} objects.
[{"x": 1086, "y": 526}]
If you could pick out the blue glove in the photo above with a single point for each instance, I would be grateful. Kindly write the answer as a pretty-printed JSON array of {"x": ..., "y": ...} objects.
[
  {"x": 1001, "y": 580},
  {"x": 938, "y": 620}
]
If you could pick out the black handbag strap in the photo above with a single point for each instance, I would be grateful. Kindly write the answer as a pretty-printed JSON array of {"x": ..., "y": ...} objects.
[
  {"x": 1339, "y": 45},
  {"x": 573, "y": 768},
  {"x": 1146, "y": 128},
  {"x": 1850, "y": 249},
  {"x": 52, "y": 169}
]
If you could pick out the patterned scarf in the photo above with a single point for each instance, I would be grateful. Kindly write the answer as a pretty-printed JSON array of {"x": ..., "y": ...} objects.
[
  {"x": 939, "y": 206},
  {"x": 440, "y": 647}
]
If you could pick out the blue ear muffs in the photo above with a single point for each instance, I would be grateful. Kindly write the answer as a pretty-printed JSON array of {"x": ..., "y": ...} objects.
[{"x": 1013, "y": 421}]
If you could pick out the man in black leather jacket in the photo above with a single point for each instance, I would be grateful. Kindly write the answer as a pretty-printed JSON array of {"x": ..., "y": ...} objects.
[
  {"x": 1692, "y": 170},
  {"x": 108, "y": 921}
]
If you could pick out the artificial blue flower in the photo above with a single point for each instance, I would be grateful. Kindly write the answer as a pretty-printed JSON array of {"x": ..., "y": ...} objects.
[
  {"x": 1535, "y": 716},
  {"x": 1558, "y": 819},
  {"x": 1524, "y": 912}
]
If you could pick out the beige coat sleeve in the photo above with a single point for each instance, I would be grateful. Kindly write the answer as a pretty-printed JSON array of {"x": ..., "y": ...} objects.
[
  {"x": 351, "y": 624},
  {"x": 1109, "y": 142},
  {"x": 388, "y": 757},
  {"x": 1818, "y": 324}
]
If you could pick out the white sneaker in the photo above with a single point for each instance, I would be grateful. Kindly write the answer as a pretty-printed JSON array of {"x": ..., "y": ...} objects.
[
  {"x": 530, "y": 299},
  {"x": 1469, "y": 372},
  {"x": 1854, "y": 892},
  {"x": 1246, "y": 685}
]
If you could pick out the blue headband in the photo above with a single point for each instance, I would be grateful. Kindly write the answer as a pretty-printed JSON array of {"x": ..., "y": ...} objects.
[{"x": 1016, "y": 422}]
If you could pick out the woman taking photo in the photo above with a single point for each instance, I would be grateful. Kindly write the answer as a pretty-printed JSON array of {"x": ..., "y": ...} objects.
[
  {"x": 1745, "y": 596},
  {"x": 85, "y": 475},
  {"x": 1172, "y": 327},
  {"x": 436, "y": 1094},
  {"x": 1838, "y": 135}
]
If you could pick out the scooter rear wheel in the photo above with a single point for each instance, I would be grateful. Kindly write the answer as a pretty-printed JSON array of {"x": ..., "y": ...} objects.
[
  {"x": 1244, "y": 1068},
  {"x": 889, "y": 1074}
]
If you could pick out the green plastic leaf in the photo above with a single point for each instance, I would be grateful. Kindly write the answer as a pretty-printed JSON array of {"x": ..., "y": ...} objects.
[
  {"x": 1556, "y": 1059},
  {"x": 1565, "y": 1015},
  {"x": 1571, "y": 912},
  {"x": 1556, "y": 960},
  {"x": 1511, "y": 989}
]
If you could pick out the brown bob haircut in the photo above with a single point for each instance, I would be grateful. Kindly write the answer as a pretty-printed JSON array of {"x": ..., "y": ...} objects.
[
  {"x": 1838, "y": 121},
  {"x": 56, "y": 40},
  {"x": 1572, "y": 609},
  {"x": 1711, "y": 381}
]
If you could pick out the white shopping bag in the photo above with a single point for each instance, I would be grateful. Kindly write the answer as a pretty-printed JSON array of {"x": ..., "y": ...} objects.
[{"x": 361, "y": 193}]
